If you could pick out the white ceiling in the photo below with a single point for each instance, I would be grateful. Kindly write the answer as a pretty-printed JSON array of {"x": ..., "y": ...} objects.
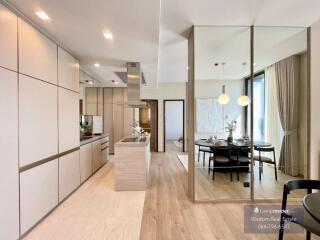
[
  {"x": 157, "y": 40},
  {"x": 231, "y": 46},
  {"x": 79, "y": 26}
]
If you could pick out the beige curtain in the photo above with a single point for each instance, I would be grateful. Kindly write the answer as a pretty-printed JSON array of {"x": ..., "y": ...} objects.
[
  {"x": 287, "y": 77},
  {"x": 273, "y": 129}
]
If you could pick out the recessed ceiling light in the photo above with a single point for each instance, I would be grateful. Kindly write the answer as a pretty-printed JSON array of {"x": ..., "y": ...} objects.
[
  {"x": 42, "y": 15},
  {"x": 97, "y": 65},
  {"x": 108, "y": 35},
  {"x": 114, "y": 82}
]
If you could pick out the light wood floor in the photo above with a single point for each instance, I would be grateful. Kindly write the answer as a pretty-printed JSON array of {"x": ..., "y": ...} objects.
[
  {"x": 163, "y": 212},
  {"x": 170, "y": 215},
  {"x": 223, "y": 188},
  {"x": 95, "y": 211}
]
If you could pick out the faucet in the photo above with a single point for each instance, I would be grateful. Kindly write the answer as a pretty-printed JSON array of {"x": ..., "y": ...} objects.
[{"x": 137, "y": 129}]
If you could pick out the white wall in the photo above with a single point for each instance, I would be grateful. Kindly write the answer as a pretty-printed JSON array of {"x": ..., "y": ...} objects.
[
  {"x": 162, "y": 92},
  {"x": 174, "y": 120},
  {"x": 212, "y": 89},
  {"x": 314, "y": 102}
]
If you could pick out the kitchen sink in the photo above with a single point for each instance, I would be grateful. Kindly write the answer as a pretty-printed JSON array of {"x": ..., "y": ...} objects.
[{"x": 134, "y": 139}]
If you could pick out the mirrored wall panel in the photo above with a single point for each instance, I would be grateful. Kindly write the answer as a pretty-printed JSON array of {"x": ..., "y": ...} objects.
[
  {"x": 222, "y": 139},
  {"x": 280, "y": 98}
]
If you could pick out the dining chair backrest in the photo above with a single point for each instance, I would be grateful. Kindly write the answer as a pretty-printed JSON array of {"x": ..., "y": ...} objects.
[
  {"x": 264, "y": 149},
  {"x": 302, "y": 184},
  {"x": 222, "y": 150}
]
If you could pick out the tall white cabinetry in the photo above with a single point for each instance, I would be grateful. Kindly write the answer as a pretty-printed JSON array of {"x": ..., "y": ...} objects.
[
  {"x": 9, "y": 177},
  {"x": 9, "y": 184}
]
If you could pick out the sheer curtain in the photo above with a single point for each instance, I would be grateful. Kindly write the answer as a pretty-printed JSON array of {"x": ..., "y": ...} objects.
[{"x": 273, "y": 130}]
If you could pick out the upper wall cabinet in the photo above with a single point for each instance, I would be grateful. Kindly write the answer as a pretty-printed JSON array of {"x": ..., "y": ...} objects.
[
  {"x": 69, "y": 131},
  {"x": 68, "y": 71},
  {"x": 37, "y": 54},
  {"x": 9, "y": 190},
  {"x": 8, "y": 44},
  {"x": 38, "y": 120}
]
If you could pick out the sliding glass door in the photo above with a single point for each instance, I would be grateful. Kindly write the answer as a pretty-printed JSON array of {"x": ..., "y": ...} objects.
[
  {"x": 222, "y": 64},
  {"x": 231, "y": 160}
]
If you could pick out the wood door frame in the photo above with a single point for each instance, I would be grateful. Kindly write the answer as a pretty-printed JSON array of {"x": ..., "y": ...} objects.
[
  {"x": 164, "y": 121},
  {"x": 157, "y": 128}
]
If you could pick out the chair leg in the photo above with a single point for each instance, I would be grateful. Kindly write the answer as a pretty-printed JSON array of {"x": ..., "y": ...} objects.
[
  {"x": 204, "y": 158},
  {"x": 275, "y": 167},
  {"x": 238, "y": 178},
  {"x": 260, "y": 171},
  {"x": 231, "y": 171},
  {"x": 308, "y": 235},
  {"x": 213, "y": 170},
  {"x": 209, "y": 166},
  {"x": 198, "y": 154},
  {"x": 281, "y": 229}
]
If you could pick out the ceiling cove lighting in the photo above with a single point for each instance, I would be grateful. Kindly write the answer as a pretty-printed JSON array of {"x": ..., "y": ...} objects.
[
  {"x": 108, "y": 35},
  {"x": 97, "y": 65},
  {"x": 42, "y": 15}
]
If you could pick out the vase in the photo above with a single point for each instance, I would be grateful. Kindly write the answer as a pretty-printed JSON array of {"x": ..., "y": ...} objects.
[{"x": 230, "y": 137}]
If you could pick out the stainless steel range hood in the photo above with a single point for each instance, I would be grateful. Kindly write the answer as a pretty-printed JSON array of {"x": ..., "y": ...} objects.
[{"x": 134, "y": 79}]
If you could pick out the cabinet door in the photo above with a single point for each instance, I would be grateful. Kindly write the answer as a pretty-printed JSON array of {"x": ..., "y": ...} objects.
[
  {"x": 68, "y": 70},
  {"x": 38, "y": 120},
  {"x": 37, "y": 54},
  {"x": 8, "y": 41},
  {"x": 69, "y": 130},
  {"x": 97, "y": 155},
  {"x": 108, "y": 115},
  {"x": 85, "y": 161},
  {"x": 9, "y": 185},
  {"x": 118, "y": 114},
  {"x": 69, "y": 174},
  {"x": 38, "y": 193}
]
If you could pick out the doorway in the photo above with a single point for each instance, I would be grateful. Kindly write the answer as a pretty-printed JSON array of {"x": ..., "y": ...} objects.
[
  {"x": 173, "y": 125},
  {"x": 148, "y": 121}
]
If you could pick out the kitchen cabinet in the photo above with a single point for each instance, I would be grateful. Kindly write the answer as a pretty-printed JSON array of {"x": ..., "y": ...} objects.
[
  {"x": 85, "y": 161},
  {"x": 38, "y": 193},
  {"x": 38, "y": 120},
  {"x": 96, "y": 155},
  {"x": 69, "y": 133},
  {"x": 105, "y": 149},
  {"x": 68, "y": 70},
  {"x": 118, "y": 114},
  {"x": 94, "y": 101},
  {"x": 9, "y": 184},
  {"x": 37, "y": 54},
  {"x": 108, "y": 116},
  {"x": 69, "y": 174},
  {"x": 8, "y": 44}
]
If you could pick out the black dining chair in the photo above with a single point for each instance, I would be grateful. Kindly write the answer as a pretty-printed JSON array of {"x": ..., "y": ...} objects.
[
  {"x": 264, "y": 159},
  {"x": 204, "y": 150},
  {"x": 240, "y": 159},
  {"x": 305, "y": 220},
  {"x": 221, "y": 155}
]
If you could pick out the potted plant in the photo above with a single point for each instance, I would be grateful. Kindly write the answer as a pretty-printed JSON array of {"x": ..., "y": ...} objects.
[{"x": 231, "y": 126}]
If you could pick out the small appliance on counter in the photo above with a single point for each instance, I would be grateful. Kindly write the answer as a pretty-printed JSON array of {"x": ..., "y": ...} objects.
[{"x": 94, "y": 123}]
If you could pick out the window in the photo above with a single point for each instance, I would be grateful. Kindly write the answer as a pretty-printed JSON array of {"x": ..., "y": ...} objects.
[{"x": 258, "y": 106}]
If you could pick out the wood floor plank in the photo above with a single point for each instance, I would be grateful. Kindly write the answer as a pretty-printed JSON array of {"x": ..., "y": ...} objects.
[{"x": 170, "y": 215}]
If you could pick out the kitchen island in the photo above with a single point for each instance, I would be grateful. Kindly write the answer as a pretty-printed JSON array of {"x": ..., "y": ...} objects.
[{"x": 132, "y": 160}]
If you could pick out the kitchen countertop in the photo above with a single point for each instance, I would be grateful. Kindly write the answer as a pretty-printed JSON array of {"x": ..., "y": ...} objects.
[
  {"x": 93, "y": 138},
  {"x": 133, "y": 144}
]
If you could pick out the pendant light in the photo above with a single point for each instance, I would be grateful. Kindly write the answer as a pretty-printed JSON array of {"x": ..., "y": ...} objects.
[
  {"x": 223, "y": 97},
  {"x": 244, "y": 100}
]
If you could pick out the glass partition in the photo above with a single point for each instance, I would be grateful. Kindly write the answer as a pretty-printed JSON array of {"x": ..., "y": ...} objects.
[
  {"x": 221, "y": 68},
  {"x": 280, "y": 96}
]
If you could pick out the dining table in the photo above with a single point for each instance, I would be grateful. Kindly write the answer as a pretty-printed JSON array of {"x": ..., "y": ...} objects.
[
  {"x": 311, "y": 202},
  {"x": 237, "y": 146}
]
